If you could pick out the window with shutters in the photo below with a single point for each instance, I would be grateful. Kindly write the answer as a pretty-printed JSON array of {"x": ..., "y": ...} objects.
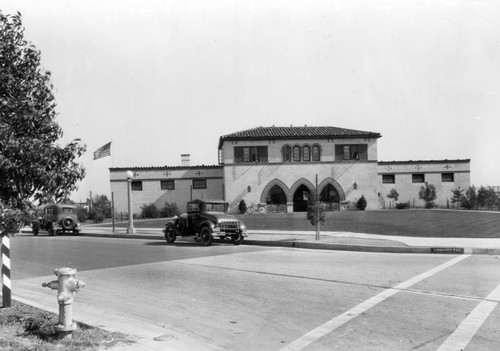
[
  {"x": 287, "y": 153},
  {"x": 351, "y": 152},
  {"x": 250, "y": 154}
]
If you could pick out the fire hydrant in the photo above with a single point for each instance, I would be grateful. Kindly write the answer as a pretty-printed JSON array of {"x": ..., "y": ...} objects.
[{"x": 66, "y": 286}]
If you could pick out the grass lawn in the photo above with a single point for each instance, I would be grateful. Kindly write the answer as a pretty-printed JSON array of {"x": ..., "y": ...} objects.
[{"x": 418, "y": 223}]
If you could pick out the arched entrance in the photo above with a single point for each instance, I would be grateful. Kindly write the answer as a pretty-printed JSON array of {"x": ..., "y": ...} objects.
[
  {"x": 329, "y": 194},
  {"x": 301, "y": 198},
  {"x": 276, "y": 196}
]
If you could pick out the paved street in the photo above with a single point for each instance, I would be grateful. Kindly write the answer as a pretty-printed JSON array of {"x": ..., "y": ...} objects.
[{"x": 253, "y": 298}]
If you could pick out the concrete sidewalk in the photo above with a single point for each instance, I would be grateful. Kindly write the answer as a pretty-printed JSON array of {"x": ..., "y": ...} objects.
[{"x": 331, "y": 241}]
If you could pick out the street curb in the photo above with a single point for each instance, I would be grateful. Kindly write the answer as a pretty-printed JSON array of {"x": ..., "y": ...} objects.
[{"x": 327, "y": 246}]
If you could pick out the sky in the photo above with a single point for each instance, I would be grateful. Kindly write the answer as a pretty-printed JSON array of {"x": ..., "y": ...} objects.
[{"x": 161, "y": 78}]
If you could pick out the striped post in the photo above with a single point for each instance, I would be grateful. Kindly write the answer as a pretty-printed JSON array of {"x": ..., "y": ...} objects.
[{"x": 6, "y": 286}]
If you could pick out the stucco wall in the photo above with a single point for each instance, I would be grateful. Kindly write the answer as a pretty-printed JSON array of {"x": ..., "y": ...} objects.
[
  {"x": 290, "y": 175},
  {"x": 408, "y": 191},
  {"x": 152, "y": 192},
  {"x": 275, "y": 146}
]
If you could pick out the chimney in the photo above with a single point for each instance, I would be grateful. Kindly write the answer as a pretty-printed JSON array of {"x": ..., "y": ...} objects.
[{"x": 185, "y": 160}]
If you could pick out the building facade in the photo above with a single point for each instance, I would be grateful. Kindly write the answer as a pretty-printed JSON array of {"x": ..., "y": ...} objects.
[
  {"x": 288, "y": 166},
  {"x": 159, "y": 185}
]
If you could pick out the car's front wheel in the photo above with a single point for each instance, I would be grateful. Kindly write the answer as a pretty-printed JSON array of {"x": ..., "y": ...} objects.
[
  {"x": 206, "y": 236},
  {"x": 237, "y": 238},
  {"x": 170, "y": 234}
]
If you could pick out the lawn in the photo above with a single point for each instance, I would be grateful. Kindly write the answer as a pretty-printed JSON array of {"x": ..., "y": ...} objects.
[
  {"x": 418, "y": 223},
  {"x": 26, "y": 328}
]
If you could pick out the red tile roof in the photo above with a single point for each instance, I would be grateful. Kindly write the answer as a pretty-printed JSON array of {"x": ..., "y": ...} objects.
[{"x": 305, "y": 132}]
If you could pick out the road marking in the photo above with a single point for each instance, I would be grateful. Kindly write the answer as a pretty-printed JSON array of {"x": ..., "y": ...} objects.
[
  {"x": 340, "y": 320},
  {"x": 470, "y": 325}
]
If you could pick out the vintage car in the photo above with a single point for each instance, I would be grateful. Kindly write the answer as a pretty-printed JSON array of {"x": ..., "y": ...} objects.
[
  {"x": 57, "y": 219},
  {"x": 206, "y": 220}
]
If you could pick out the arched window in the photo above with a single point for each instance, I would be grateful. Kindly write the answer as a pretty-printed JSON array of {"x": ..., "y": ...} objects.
[
  {"x": 316, "y": 153},
  {"x": 296, "y": 154},
  {"x": 306, "y": 153},
  {"x": 287, "y": 153}
]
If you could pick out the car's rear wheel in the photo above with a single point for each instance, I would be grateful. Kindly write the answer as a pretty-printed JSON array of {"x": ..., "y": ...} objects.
[
  {"x": 170, "y": 234},
  {"x": 50, "y": 229},
  {"x": 237, "y": 238},
  {"x": 35, "y": 228},
  {"x": 76, "y": 232},
  {"x": 206, "y": 236}
]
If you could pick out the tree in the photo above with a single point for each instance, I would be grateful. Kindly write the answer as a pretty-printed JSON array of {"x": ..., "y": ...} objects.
[
  {"x": 486, "y": 197},
  {"x": 316, "y": 215},
  {"x": 427, "y": 193},
  {"x": 32, "y": 164},
  {"x": 491, "y": 198},
  {"x": 33, "y": 167},
  {"x": 101, "y": 208},
  {"x": 469, "y": 200},
  {"x": 393, "y": 195},
  {"x": 457, "y": 197}
]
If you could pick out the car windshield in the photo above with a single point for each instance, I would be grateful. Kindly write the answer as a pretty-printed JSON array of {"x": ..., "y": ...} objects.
[
  {"x": 193, "y": 207},
  {"x": 215, "y": 207}
]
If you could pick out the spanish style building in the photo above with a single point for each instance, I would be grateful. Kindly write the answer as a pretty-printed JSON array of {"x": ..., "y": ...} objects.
[{"x": 285, "y": 167}]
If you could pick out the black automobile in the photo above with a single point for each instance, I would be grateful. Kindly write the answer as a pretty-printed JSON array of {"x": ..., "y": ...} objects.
[
  {"x": 206, "y": 220},
  {"x": 57, "y": 219}
]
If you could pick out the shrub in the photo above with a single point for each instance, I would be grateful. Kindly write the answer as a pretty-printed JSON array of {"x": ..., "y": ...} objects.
[
  {"x": 150, "y": 211},
  {"x": 361, "y": 204},
  {"x": 393, "y": 195},
  {"x": 81, "y": 214},
  {"x": 242, "y": 206},
  {"x": 96, "y": 215},
  {"x": 402, "y": 205},
  {"x": 169, "y": 210}
]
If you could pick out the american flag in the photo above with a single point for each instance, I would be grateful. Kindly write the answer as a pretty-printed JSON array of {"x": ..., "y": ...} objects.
[{"x": 103, "y": 151}]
